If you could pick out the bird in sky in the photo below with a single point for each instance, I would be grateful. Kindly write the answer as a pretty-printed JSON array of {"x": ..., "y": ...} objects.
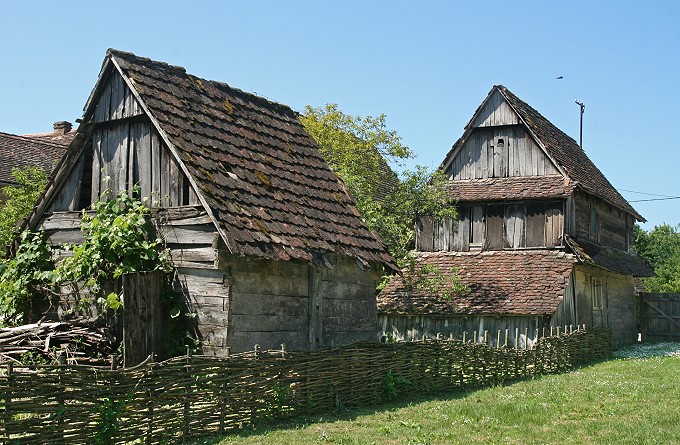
[{"x": 560, "y": 77}]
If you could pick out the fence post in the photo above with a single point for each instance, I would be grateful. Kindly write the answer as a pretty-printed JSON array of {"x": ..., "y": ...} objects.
[
  {"x": 486, "y": 338},
  {"x": 498, "y": 340},
  {"x": 516, "y": 339},
  {"x": 8, "y": 400},
  {"x": 60, "y": 397},
  {"x": 464, "y": 336},
  {"x": 507, "y": 331},
  {"x": 149, "y": 404},
  {"x": 187, "y": 402}
]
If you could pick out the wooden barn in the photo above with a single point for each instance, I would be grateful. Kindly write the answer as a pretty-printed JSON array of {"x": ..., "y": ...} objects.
[
  {"x": 267, "y": 245},
  {"x": 542, "y": 238}
]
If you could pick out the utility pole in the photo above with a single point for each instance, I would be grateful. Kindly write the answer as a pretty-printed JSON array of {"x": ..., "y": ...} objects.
[{"x": 580, "y": 136}]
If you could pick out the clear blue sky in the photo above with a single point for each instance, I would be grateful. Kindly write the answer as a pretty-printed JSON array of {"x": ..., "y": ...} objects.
[{"x": 426, "y": 65}]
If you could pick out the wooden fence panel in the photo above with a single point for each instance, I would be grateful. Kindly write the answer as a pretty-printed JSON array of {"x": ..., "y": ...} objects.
[
  {"x": 660, "y": 316},
  {"x": 191, "y": 397}
]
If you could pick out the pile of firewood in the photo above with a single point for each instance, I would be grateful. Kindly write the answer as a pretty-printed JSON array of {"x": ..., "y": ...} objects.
[{"x": 79, "y": 341}]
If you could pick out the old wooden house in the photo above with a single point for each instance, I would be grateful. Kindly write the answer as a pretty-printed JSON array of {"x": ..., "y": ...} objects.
[
  {"x": 542, "y": 238},
  {"x": 268, "y": 247}
]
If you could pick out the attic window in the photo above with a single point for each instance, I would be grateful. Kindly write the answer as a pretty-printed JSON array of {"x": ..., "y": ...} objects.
[{"x": 500, "y": 142}]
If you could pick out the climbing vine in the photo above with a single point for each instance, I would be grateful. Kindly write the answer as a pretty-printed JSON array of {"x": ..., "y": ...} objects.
[{"x": 119, "y": 238}]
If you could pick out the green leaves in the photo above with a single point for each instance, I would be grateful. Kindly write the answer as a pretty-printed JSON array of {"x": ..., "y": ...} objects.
[
  {"x": 359, "y": 149},
  {"x": 20, "y": 201},
  {"x": 20, "y": 276},
  {"x": 661, "y": 248},
  {"x": 119, "y": 238}
]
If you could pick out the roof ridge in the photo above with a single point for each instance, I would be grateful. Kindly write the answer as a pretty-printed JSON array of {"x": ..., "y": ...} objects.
[
  {"x": 34, "y": 138},
  {"x": 181, "y": 70}
]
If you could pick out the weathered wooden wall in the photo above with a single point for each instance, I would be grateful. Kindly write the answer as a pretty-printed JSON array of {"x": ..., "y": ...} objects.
[
  {"x": 145, "y": 317},
  {"x": 615, "y": 227},
  {"x": 415, "y": 327},
  {"x": 124, "y": 150},
  {"x": 618, "y": 311},
  {"x": 499, "y": 152},
  {"x": 302, "y": 306},
  {"x": 497, "y": 226},
  {"x": 660, "y": 316}
]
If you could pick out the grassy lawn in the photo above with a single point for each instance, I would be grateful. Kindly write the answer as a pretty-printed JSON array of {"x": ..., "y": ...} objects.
[{"x": 632, "y": 400}]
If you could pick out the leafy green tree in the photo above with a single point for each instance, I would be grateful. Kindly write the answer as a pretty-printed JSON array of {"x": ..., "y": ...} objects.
[
  {"x": 20, "y": 201},
  {"x": 661, "y": 248},
  {"x": 358, "y": 149}
]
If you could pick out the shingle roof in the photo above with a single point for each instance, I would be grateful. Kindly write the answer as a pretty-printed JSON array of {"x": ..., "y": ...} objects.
[
  {"x": 609, "y": 258},
  {"x": 511, "y": 188},
  {"x": 23, "y": 151},
  {"x": 566, "y": 151},
  {"x": 260, "y": 172},
  {"x": 501, "y": 282}
]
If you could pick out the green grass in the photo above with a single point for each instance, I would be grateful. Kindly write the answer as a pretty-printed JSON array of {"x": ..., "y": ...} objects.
[{"x": 620, "y": 401}]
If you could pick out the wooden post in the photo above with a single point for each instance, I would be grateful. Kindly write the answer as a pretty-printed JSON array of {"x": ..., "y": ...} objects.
[
  {"x": 551, "y": 331},
  {"x": 571, "y": 329},
  {"x": 486, "y": 338},
  {"x": 283, "y": 350},
  {"x": 187, "y": 403},
  {"x": 507, "y": 332},
  {"x": 516, "y": 338},
  {"x": 60, "y": 397},
  {"x": 535, "y": 340},
  {"x": 526, "y": 338},
  {"x": 149, "y": 403},
  {"x": 8, "y": 398},
  {"x": 558, "y": 331},
  {"x": 498, "y": 340},
  {"x": 474, "y": 337},
  {"x": 464, "y": 336}
]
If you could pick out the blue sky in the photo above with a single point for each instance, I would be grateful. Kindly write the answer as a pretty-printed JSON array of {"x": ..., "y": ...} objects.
[{"x": 427, "y": 65}]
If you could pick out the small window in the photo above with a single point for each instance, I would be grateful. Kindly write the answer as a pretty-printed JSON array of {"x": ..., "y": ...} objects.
[
  {"x": 500, "y": 142},
  {"x": 597, "y": 292}
]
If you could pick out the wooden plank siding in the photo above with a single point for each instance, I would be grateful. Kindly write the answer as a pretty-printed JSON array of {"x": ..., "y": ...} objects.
[
  {"x": 497, "y": 226},
  {"x": 126, "y": 151},
  {"x": 499, "y": 152},
  {"x": 614, "y": 227},
  {"x": 416, "y": 327}
]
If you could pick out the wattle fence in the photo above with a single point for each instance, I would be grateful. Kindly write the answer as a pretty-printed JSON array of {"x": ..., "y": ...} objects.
[{"x": 197, "y": 396}]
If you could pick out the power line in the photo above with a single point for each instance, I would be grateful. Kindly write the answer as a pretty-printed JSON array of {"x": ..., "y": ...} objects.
[
  {"x": 656, "y": 199},
  {"x": 644, "y": 193}
]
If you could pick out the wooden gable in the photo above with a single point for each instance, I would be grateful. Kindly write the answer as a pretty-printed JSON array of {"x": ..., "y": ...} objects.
[
  {"x": 497, "y": 144},
  {"x": 123, "y": 150}
]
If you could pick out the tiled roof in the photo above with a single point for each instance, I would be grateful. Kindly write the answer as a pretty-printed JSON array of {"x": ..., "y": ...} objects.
[
  {"x": 501, "y": 282},
  {"x": 566, "y": 151},
  {"x": 511, "y": 188},
  {"x": 22, "y": 151},
  {"x": 260, "y": 172},
  {"x": 609, "y": 258}
]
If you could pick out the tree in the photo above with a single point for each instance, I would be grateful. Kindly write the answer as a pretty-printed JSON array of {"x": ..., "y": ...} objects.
[
  {"x": 660, "y": 247},
  {"x": 358, "y": 149},
  {"x": 20, "y": 201}
]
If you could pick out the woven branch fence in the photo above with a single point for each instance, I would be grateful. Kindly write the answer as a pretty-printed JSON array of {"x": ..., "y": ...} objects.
[{"x": 198, "y": 396}]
